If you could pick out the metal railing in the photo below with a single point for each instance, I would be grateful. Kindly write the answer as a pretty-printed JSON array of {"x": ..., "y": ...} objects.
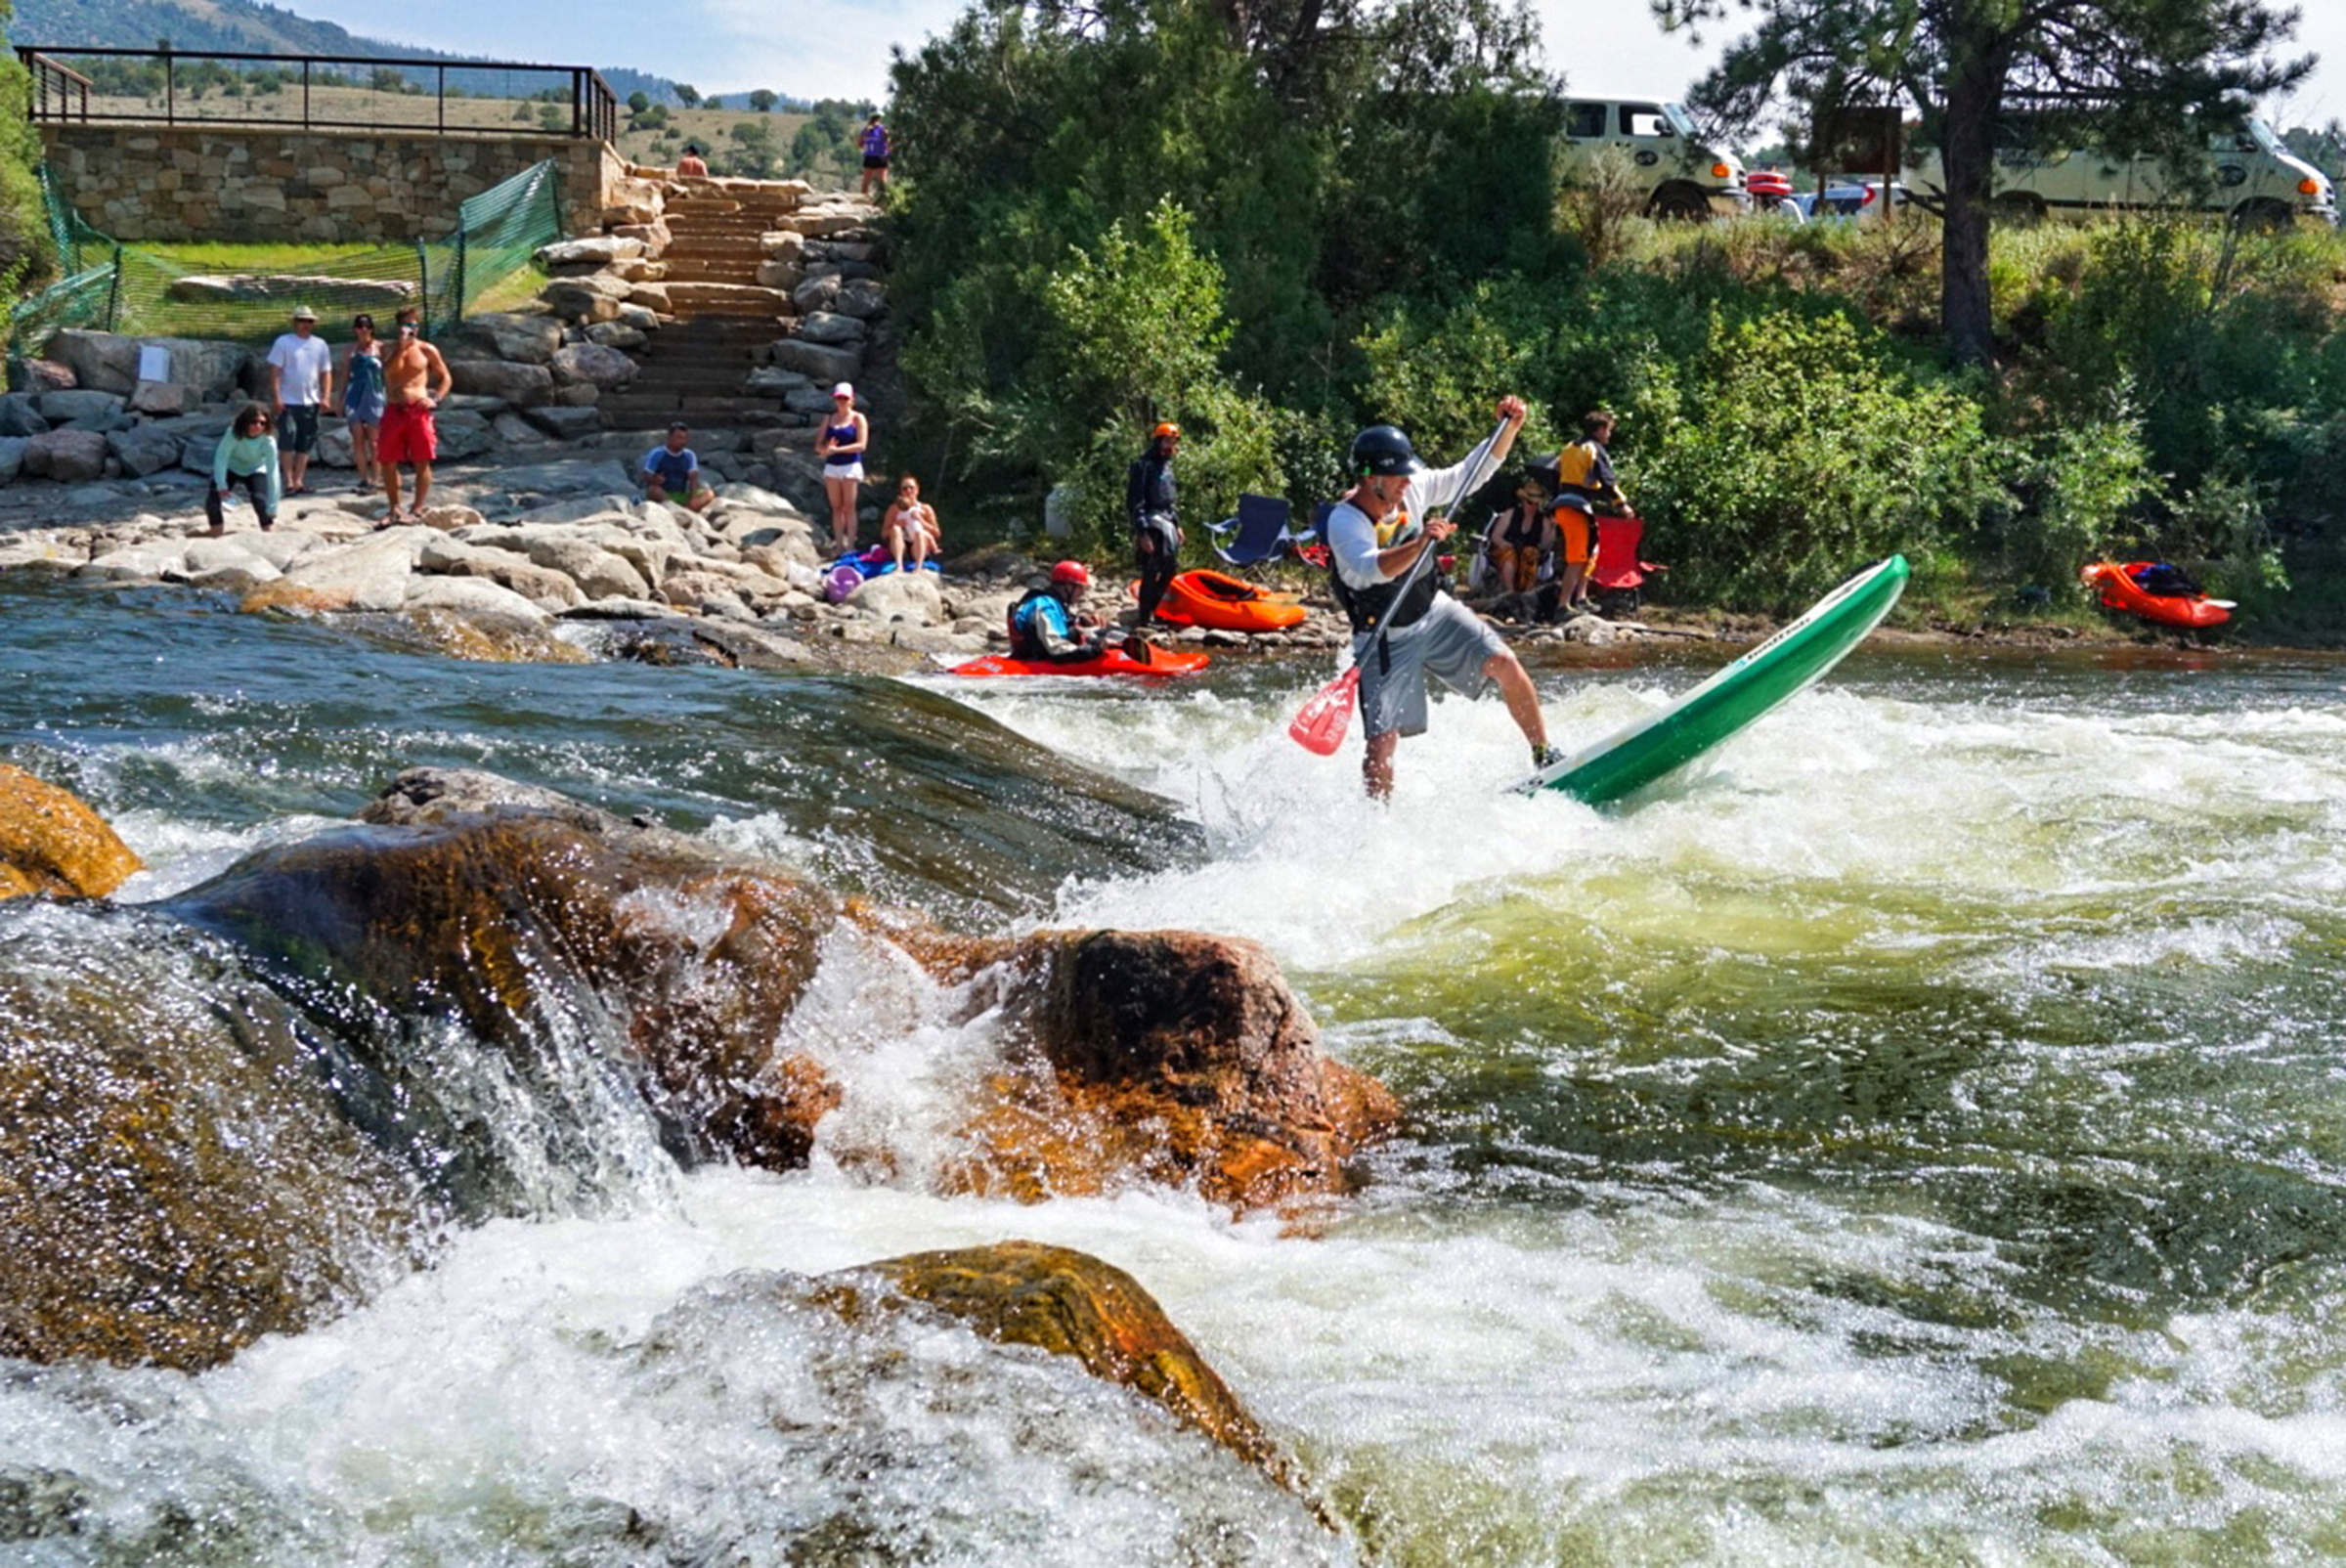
[{"x": 316, "y": 92}]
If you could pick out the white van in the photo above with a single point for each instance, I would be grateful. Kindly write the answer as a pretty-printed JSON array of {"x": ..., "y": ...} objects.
[
  {"x": 1688, "y": 180},
  {"x": 2249, "y": 176}
]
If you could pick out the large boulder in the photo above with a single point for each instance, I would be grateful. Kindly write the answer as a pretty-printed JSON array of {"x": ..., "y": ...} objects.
[
  {"x": 521, "y": 384},
  {"x": 108, "y": 361},
  {"x": 566, "y": 423},
  {"x": 1069, "y": 1303},
  {"x": 509, "y": 336},
  {"x": 59, "y": 407},
  {"x": 595, "y": 365},
  {"x": 11, "y": 456},
  {"x": 820, "y": 362},
  {"x": 72, "y": 456},
  {"x": 1166, "y": 1056},
  {"x": 176, "y": 1179},
  {"x": 51, "y": 841},
  {"x": 463, "y": 433},
  {"x": 588, "y": 255},
  {"x": 369, "y": 572},
  {"x": 519, "y": 921},
  {"x": 143, "y": 449},
  {"x": 817, "y": 294},
  {"x": 862, "y": 298},
  {"x": 542, "y": 585},
  {"x": 913, "y": 597},
  {"x": 595, "y": 297},
  {"x": 830, "y": 327},
  {"x": 20, "y": 416}
]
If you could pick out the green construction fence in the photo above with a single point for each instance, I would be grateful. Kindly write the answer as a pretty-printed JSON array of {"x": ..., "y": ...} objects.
[{"x": 110, "y": 286}]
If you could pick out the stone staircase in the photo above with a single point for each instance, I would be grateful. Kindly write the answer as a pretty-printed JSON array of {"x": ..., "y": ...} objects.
[{"x": 693, "y": 368}]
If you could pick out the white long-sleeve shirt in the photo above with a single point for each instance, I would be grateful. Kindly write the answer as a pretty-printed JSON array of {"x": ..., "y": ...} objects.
[{"x": 1351, "y": 533}]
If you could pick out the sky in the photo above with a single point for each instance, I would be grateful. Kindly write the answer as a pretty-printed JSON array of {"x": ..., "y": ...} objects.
[{"x": 839, "y": 48}]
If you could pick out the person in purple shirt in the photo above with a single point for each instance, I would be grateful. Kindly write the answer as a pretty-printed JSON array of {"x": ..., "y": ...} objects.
[{"x": 875, "y": 155}]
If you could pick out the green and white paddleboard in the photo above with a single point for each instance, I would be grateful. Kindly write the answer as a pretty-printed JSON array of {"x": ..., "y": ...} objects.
[{"x": 1637, "y": 754}]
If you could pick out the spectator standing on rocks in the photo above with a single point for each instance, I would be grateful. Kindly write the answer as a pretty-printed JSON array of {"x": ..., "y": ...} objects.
[
  {"x": 247, "y": 451},
  {"x": 910, "y": 525},
  {"x": 301, "y": 381},
  {"x": 875, "y": 155},
  {"x": 690, "y": 167},
  {"x": 840, "y": 447},
  {"x": 1150, "y": 507},
  {"x": 671, "y": 471},
  {"x": 363, "y": 396},
  {"x": 414, "y": 380}
]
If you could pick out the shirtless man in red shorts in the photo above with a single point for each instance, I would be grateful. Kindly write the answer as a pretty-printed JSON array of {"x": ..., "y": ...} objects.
[{"x": 414, "y": 380}]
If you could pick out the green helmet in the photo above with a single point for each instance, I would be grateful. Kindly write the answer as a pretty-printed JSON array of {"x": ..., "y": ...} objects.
[{"x": 1381, "y": 451}]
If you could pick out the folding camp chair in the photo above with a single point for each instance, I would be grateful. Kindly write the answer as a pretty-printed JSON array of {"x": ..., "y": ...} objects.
[
  {"x": 1261, "y": 529},
  {"x": 1618, "y": 577}
]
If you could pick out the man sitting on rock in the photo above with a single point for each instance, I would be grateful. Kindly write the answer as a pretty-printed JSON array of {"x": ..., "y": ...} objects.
[
  {"x": 690, "y": 167},
  {"x": 673, "y": 470},
  {"x": 414, "y": 380}
]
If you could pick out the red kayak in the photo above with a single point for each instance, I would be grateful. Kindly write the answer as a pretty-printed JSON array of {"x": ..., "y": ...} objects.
[
  {"x": 2121, "y": 589},
  {"x": 1161, "y": 662},
  {"x": 1225, "y": 603}
]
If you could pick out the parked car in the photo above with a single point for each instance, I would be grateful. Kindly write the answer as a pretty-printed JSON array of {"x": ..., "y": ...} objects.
[
  {"x": 2248, "y": 175},
  {"x": 1684, "y": 177},
  {"x": 1846, "y": 198}
]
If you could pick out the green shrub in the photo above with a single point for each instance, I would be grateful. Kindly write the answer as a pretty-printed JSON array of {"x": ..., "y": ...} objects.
[{"x": 1804, "y": 452}]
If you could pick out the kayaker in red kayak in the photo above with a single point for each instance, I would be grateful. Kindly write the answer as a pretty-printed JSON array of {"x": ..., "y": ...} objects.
[{"x": 1048, "y": 624}]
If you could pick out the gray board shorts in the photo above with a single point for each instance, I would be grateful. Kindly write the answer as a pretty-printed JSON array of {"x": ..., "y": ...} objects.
[{"x": 1450, "y": 642}]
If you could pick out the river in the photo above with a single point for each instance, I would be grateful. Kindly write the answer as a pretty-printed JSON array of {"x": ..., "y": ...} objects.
[{"x": 1913, "y": 1134}]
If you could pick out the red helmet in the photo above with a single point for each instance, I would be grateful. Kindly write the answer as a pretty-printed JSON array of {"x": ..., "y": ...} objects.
[
  {"x": 1168, "y": 428},
  {"x": 1075, "y": 572}
]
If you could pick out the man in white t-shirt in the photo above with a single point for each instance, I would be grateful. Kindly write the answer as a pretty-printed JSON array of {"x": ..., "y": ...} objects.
[{"x": 301, "y": 382}]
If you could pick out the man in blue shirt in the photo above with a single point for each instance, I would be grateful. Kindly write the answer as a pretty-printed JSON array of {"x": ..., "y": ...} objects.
[{"x": 671, "y": 471}]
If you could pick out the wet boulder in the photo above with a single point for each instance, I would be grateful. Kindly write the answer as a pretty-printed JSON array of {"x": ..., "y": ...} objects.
[
  {"x": 1168, "y": 1057},
  {"x": 543, "y": 931},
  {"x": 175, "y": 1178},
  {"x": 1070, "y": 1303},
  {"x": 51, "y": 841}
]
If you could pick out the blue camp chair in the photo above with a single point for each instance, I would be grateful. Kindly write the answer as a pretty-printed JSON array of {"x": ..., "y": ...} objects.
[{"x": 1261, "y": 526}]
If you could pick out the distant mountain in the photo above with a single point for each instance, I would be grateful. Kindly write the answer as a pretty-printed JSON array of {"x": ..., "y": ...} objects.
[{"x": 249, "y": 26}]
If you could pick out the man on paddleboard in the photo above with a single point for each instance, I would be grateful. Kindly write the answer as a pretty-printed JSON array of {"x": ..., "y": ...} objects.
[{"x": 1374, "y": 536}]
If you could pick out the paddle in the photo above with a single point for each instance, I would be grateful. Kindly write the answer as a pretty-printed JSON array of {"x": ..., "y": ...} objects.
[{"x": 1320, "y": 727}]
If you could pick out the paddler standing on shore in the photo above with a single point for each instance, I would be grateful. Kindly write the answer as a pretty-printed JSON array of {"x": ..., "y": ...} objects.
[{"x": 1375, "y": 536}]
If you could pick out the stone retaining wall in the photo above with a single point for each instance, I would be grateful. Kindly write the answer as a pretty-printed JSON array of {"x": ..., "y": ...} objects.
[{"x": 258, "y": 183}]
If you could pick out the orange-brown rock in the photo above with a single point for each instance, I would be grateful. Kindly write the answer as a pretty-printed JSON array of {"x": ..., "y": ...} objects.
[
  {"x": 526, "y": 924},
  {"x": 1070, "y": 1303},
  {"x": 50, "y": 841},
  {"x": 1166, "y": 1056}
]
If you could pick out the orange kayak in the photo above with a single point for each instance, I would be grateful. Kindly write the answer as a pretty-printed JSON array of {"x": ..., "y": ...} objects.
[
  {"x": 2119, "y": 590},
  {"x": 1225, "y": 603},
  {"x": 1162, "y": 662}
]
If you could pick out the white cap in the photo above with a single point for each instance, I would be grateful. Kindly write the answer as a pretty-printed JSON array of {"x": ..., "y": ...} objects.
[{"x": 842, "y": 390}]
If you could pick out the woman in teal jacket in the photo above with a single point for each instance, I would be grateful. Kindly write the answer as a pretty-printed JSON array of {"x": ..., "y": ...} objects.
[{"x": 247, "y": 451}]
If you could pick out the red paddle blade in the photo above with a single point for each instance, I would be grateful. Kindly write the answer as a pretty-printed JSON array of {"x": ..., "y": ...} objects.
[{"x": 1321, "y": 727}]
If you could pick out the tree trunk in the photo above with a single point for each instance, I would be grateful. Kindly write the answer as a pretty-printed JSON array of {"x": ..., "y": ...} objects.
[{"x": 1975, "y": 92}]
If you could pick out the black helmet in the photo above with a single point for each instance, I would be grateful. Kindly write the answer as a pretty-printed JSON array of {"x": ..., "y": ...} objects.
[{"x": 1380, "y": 452}]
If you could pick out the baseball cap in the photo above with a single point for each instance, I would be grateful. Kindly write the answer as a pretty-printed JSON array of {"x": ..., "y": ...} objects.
[
  {"x": 303, "y": 312},
  {"x": 842, "y": 390}
]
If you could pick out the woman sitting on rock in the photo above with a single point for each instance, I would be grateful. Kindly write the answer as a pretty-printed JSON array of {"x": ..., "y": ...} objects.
[
  {"x": 910, "y": 526},
  {"x": 247, "y": 451}
]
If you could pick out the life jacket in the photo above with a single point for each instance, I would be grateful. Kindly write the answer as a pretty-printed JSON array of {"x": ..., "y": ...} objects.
[
  {"x": 1025, "y": 641},
  {"x": 1371, "y": 607}
]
